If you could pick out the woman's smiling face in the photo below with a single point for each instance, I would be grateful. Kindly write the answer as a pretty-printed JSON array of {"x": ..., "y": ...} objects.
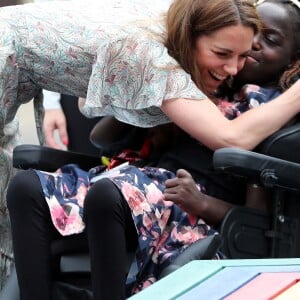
[
  {"x": 272, "y": 49},
  {"x": 222, "y": 54}
]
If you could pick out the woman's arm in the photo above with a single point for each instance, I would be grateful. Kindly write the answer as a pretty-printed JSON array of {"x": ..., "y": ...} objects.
[{"x": 203, "y": 120}]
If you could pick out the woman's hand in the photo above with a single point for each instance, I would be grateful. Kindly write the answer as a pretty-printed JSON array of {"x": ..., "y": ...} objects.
[
  {"x": 184, "y": 192},
  {"x": 55, "y": 120}
]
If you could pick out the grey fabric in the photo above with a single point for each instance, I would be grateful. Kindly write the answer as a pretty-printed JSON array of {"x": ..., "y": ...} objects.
[{"x": 11, "y": 289}]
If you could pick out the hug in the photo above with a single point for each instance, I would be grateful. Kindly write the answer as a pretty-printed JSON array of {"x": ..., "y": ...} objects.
[{"x": 187, "y": 66}]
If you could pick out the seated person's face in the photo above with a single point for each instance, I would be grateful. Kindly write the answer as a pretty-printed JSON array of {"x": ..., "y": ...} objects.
[
  {"x": 222, "y": 54},
  {"x": 272, "y": 49}
]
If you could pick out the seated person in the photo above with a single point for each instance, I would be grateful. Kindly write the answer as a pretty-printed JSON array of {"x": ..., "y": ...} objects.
[{"x": 126, "y": 209}]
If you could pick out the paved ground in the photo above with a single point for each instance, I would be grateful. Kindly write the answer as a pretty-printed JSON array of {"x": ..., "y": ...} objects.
[{"x": 27, "y": 124}]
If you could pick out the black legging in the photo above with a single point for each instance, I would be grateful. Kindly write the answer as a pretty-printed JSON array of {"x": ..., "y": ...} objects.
[{"x": 110, "y": 232}]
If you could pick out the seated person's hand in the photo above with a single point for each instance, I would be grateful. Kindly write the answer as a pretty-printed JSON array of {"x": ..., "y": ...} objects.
[
  {"x": 183, "y": 191},
  {"x": 55, "y": 120}
]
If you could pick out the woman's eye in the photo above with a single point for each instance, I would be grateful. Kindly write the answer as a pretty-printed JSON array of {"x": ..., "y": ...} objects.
[{"x": 222, "y": 54}]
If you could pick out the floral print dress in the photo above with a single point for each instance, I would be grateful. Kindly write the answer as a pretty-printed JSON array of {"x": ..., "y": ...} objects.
[{"x": 164, "y": 230}]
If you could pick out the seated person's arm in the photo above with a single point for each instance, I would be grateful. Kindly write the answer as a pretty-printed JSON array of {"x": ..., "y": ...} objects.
[{"x": 183, "y": 191}]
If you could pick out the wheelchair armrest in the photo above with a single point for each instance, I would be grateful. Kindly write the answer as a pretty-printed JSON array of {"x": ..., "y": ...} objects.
[
  {"x": 257, "y": 167},
  {"x": 283, "y": 144},
  {"x": 49, "y": 159}
]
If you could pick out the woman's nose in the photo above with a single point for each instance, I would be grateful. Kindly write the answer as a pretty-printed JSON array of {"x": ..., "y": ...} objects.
[{"x": 231, "y": 67}]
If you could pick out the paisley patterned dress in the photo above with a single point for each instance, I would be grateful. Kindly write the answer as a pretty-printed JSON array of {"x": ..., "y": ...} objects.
[
  {"x": 164, "y": 230},
  {"x": 111, "y": 52}
]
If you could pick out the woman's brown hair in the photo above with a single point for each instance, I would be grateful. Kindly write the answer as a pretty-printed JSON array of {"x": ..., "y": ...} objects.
[{"x": 189, "y": 19}]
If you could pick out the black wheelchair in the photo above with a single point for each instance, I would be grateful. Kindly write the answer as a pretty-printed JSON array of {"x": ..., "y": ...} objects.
[{"x": 245, "y": 232}]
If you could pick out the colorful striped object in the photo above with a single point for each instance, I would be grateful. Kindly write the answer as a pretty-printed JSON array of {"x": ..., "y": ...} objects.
[{"x": 232, "y": 279}]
